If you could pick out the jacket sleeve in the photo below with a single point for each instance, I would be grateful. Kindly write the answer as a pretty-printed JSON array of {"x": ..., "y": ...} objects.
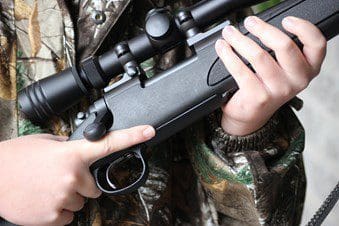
[{"x": 254, "y": 179}]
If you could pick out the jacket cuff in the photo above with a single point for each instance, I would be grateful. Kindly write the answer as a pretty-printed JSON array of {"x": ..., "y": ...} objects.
[{"x": 224, "y": 143}]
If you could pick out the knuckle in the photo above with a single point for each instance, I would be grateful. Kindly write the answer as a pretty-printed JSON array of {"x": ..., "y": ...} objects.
[
  {"x": 316, "y": 72},
  {"x": 242, "y": 69},
  {"x": 312, "y": 72},
  {"x": 81, "y": 205},
  {"x": 286, "y": 92},
  {"x": 287, "y": 45},
  {"x": 96, "y": 193},
  {"x": 322, "y": 43},
  {"x": 71, "y": 179},
  {"x": 303, "y": 84},
  {"x": 70, "y": 218},
  {"x": 262, "y": 100},
  {"x": 259, "y": 55},
  {"x": 62, "y": 199},
  {"x": 107, "y": 145},
  {"x": 54, "y": 217},
  {"x": 93, "y": 190},
  {"x": 259, "y": 109},
  {"x": 304, "y": 79}
]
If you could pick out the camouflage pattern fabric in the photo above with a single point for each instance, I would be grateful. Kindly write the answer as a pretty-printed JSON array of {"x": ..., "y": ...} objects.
[
  {"x": 193, "y": 180},
  {"x": 8, "y": 80}
]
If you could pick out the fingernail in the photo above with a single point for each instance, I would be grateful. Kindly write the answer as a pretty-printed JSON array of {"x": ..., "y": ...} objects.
[
  {"x": 289, "y": 21},
  {"x": 228, "y": 30},
  {"x": 250, "y": 21},
  {"x": 149, "y": 132}
]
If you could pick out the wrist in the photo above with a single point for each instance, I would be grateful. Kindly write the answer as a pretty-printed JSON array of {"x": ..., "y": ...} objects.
[{"x": 240, "y": 128}]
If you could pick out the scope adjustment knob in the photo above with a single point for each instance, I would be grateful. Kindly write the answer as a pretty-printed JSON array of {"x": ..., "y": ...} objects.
[{"x": 159, "y": 23}]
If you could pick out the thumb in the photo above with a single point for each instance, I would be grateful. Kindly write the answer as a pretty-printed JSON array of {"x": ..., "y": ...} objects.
[{"x": 112, "y": 142}]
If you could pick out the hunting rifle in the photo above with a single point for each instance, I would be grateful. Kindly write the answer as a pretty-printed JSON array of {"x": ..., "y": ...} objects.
[{"x": 172, "y": 99}]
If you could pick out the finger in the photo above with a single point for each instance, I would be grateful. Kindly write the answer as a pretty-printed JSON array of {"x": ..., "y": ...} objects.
[
  {"x": 244, "y": 77},
  {"x": 250, "y": 87},
  {"x": 74, "y": 203},
  {"x": 263, "y": 63},
  {"x": 47, "y": 136},
  {"x": 112, "y": 142},
  {"x": 87, "y": 186},
  {"x": 312, "y": 38},
  {"x": 287, "y": 52},
  {"x": 64, "y": 218},
  {"x": 60, "y": 138}
]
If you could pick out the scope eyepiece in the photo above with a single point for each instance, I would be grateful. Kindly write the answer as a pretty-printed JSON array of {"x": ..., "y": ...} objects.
[{"x": 52, "y": 95}]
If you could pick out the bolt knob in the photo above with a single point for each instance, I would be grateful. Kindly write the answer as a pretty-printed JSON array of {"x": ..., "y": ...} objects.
[{"x": 95, "y": 131}]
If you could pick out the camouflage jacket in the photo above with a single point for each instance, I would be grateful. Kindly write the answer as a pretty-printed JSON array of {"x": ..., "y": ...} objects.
[{"x": 200, "y": 176}]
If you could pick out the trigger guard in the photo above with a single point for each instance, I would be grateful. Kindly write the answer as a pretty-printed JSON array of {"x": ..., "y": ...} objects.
[{"x": 105, "y": 185}]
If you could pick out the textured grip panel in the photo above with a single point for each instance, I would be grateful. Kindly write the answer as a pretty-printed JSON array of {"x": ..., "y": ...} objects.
[{"x": 217, "y": 73}]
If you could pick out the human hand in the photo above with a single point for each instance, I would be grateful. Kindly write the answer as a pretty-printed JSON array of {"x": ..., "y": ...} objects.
[
  {"x": 260, "y": 94},
  {"x": 45, "y": 179}
]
